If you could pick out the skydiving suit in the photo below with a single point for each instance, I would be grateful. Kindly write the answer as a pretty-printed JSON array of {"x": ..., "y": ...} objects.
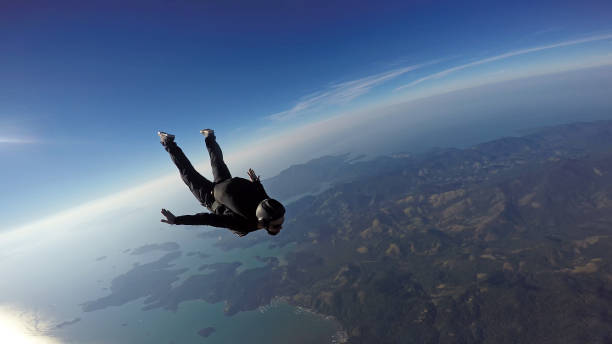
[{"x": 232, "y": 201}]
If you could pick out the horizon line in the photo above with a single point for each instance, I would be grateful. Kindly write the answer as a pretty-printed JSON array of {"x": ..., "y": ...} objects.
[{"x": 95, "y": 204}]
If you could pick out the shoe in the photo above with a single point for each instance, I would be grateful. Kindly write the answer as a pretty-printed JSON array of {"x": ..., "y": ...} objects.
[
  {"x": 165, "y": 138},
  {"x": 207, "y": 132}
]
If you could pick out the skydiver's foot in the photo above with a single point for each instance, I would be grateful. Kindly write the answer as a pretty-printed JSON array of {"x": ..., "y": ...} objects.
[
  {"x": 207, "y": 132},
  {"x": 165, "y": 138}
]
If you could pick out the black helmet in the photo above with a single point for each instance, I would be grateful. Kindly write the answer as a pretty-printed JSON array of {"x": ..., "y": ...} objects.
[{"x": 269, "y": 210}]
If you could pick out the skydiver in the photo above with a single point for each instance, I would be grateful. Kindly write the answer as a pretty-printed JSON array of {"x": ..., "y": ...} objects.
[{"x": 234, "y": 203}]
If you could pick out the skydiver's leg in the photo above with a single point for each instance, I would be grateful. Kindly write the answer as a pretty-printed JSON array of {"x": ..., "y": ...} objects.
[
  {"x": 199, "y": 186},
  {"x": 219, "y": 169}
]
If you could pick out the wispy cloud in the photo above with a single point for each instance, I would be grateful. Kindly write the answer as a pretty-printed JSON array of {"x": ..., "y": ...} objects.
[
  {"x": 15, "y": 140},
  {"x": 343, "y": 92},
  {"x": 505, "y": 56},
  {"x": 547, "y": 31}
]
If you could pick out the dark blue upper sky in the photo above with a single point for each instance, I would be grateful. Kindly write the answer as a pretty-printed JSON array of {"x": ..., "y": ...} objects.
[{"x": 84, "y": 85}]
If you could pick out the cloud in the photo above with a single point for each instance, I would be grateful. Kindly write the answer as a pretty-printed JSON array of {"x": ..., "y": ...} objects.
[
  {"x": 505, "y": 56},
  {"x": 15, "y": 140},
  {"x": 23, "y": 326},
  {"x": 15, "y": 238},
  {"x": 342, "y": 93},
  {"x": 547, "y": 30}
]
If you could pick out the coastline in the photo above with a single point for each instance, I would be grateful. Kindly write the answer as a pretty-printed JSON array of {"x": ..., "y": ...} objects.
[{"x": 340, "y": 336}]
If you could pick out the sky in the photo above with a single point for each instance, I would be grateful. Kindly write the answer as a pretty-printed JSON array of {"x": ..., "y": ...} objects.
[{"x": 85, "y": 86}]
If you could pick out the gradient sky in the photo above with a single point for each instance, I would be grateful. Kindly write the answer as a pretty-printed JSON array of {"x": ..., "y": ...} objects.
[{"x": 84, "y": 85}]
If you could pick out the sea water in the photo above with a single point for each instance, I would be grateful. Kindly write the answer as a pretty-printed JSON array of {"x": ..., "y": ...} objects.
[{"x": 45, "y": 283}]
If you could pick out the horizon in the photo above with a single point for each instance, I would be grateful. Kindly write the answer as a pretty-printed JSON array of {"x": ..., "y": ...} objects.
[
  {"x": 172, "y": 183},
  {"x": 85, "y": 140}
]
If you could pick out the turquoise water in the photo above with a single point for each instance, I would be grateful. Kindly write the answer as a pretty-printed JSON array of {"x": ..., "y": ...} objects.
[
  {"x": 49, "y": 279},
  {"x": 276, "y": 323}
]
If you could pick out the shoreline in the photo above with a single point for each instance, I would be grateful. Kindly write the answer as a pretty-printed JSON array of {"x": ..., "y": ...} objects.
[{"x": 339, "y": 337}]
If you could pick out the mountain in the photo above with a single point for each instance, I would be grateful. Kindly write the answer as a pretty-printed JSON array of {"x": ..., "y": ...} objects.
[
  {"x": 318, "y": 175},
  {"x": 507, "y": 241}
]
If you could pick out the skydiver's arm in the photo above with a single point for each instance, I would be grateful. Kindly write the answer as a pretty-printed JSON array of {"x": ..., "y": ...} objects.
[
  {"x": 255, "y": 179},
  {"x": 207, "y": 219}
]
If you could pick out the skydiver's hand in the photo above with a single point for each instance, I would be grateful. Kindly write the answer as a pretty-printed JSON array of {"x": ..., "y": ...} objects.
[
  {"x": 169, "y": 217},
  {"x": 253, "y": 176}
]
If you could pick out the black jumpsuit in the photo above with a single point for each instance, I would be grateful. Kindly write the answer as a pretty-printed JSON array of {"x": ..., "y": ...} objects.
[{"x": 232, "y": 201}]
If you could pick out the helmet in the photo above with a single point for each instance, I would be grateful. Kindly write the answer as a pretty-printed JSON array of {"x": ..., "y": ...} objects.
[{"x": 269, "y": 210}]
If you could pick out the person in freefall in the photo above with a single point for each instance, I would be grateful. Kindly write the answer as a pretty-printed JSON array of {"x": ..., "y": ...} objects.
[{"x": 238, "y": 204}]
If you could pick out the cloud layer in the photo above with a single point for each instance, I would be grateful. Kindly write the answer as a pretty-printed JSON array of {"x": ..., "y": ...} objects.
[
  {"x": 15, "y": 140},
  {"x": 505, "y": 56},
  {"x": 342, "y": 92}
]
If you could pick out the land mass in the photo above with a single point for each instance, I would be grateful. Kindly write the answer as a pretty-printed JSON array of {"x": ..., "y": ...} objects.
[
  {"x": 67, "y": 323},
  {"x": 507, "y": 241},
  {"x": 205, "y": 332},
  {"x": 164, "y": 247}
]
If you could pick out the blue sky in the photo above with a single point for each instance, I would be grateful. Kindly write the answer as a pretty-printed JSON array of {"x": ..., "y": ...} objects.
[{"x": 84, "y": 86}]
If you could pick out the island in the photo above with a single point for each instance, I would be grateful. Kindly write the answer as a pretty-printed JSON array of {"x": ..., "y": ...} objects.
[{"x": 205, "y": 332}]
